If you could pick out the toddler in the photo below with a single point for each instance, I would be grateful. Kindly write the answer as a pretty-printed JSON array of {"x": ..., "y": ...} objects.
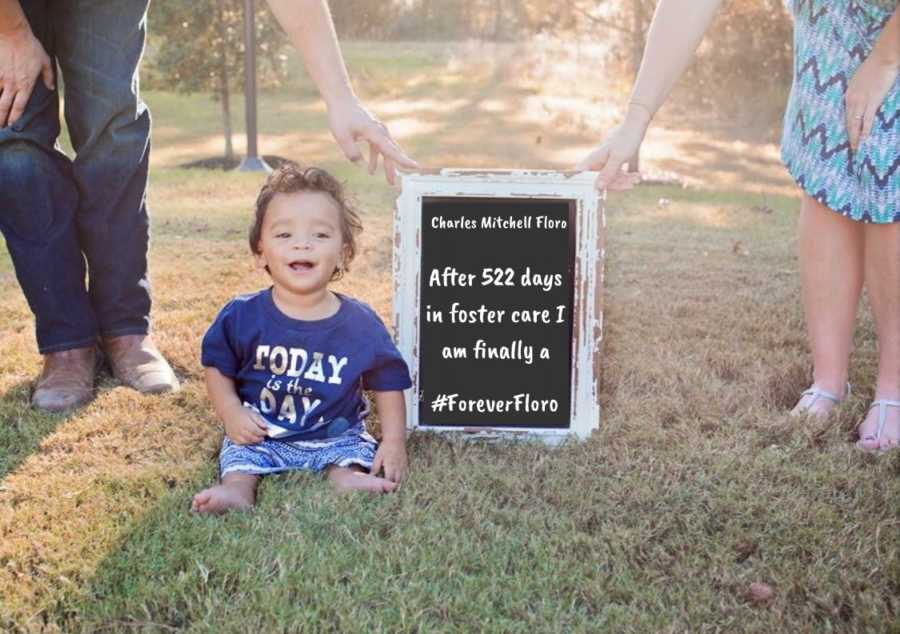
[{"x": 285, "y": 367}]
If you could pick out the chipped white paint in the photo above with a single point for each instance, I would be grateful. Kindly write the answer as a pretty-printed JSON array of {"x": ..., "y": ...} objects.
[{"x": 587, "y": 321}]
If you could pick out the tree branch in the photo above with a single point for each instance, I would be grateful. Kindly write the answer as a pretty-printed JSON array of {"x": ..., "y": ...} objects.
[{"x": 596, "y": 20}]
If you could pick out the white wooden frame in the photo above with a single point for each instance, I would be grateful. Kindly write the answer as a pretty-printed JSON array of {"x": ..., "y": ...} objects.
[{"x": 587, "y": 331}]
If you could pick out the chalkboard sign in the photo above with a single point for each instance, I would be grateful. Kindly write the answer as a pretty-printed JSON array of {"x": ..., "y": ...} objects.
[
  {"x": 497, "y": 301},
  {"x": 495, "y": 312}
]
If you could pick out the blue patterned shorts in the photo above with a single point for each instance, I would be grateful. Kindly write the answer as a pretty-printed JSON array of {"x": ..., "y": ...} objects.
[{"x": 274, "y": 456}]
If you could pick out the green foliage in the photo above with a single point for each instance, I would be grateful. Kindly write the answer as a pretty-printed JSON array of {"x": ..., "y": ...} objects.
[
  {"x": 444, "y": 19},
  {"x": 485, "y": 19},
  {"x": 364, "y": 18},
  {"x": 199, "y": 44},
  {"x": 201, "y": 48},
  {"x": 744, "y": 62},
  {"x": 742, "y": 70},
  {"x": 745, "y": 68}
]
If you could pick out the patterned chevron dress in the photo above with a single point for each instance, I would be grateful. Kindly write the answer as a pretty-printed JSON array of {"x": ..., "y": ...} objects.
[{"x": 831, "y": 39}]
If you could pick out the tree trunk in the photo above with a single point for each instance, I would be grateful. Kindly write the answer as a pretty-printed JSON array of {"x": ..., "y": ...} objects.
[
  {"x": 224, "y": 90},
  {"x": 498, "y": 19},
  {"x": 637, "y": 53},
  {"x": 224, "y": 93}
]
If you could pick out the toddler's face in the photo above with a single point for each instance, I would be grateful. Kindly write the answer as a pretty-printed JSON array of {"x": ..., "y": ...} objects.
[{"x": 301, "y": 241}]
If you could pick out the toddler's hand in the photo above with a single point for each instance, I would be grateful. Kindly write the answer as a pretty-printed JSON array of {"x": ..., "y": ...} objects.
[
  {"x": 243, "y": 426},
  {"x": 391, "y": 455}
]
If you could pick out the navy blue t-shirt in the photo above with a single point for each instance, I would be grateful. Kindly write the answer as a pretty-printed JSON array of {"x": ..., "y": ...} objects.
[{"x": 303, "y": 376}]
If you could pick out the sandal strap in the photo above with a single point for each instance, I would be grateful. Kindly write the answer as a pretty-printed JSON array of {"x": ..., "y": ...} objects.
[
  {"x": 882, "y": 405},
  {"x": 817, "y": 392},
  {"x": 885, "y": 403}
]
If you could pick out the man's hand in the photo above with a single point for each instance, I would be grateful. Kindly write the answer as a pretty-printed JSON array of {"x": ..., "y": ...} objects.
[
  {"x": 243, "y": 426},
  {"x": 391, "y": 456},
  {"x": 22, "y": 60},
  {"x": 351, "y": 123}
]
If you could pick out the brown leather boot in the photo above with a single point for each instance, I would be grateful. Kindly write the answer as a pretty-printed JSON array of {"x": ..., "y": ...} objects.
[
  {"x": 67, "y": 380},
  {"x": 137, "y": 363}
]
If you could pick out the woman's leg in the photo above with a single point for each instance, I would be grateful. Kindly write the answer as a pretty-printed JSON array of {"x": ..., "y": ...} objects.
[
  {"x": 831, "y": 277},
  {"x": 236, "y": 492},
  {"x": 882, "y": 267}
]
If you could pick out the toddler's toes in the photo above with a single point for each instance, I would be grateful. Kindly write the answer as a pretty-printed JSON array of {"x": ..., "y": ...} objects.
[
  {"x": 372, "y": 484},
  {"x": 200, "y": 501},
  {"x": 344, "y": 479},
  {"x": 388, "y": 487}
]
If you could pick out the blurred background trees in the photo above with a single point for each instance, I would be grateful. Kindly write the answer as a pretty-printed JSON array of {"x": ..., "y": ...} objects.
[
  {"x": 199, "y": 47},
  {"x": 742, "y": 72},
  {"x": 748, "y": 48},
  {"x": 746, "y": 57}
]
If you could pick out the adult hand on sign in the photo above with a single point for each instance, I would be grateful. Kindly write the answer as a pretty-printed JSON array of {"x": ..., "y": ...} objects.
[
  {"x": 611, "y": 154},
  {"x": 22, "y": 60},
  {"x": 351, "y": 123}
]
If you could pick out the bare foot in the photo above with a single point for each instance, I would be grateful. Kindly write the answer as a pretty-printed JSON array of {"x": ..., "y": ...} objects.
[
  {"x": 345, "y": 479},
  {"x": 890, "y": 436},
  {"x": 237, "y": 492},
  {"x": 818, "y": 405}
]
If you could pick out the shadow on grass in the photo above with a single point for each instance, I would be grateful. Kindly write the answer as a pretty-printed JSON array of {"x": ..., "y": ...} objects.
[
  {"x": 488, "y": 102},
  {"x": 22, "y": 427},
  {"x": 509, "y": 537},
  {"x": 701, "y": 158},
  {"x": 226, "y": 164},
  {"x": 306, "y": 559}
]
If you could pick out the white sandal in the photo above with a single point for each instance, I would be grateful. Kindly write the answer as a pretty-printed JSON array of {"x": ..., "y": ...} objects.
[
  {"x": 817, "y": 393},
  {"x": 882, "y": 405}
]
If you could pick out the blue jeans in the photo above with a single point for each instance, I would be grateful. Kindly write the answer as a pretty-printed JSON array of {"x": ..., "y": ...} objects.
[{"x": 77, "y": 230}]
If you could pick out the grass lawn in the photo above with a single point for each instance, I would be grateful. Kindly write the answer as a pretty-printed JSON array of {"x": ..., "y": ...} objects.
[{"x": 696, "y": 486}]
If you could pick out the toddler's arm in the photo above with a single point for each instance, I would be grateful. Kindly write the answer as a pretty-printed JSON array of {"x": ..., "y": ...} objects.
[
  {"x": 391, "y": 454},
  {"x": 242, "y": 425}
]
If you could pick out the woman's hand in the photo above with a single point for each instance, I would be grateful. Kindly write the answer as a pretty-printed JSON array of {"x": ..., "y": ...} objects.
[
  {"x": 866, "y": 91},
  {"x": 609, "y": 156},
  {"x": 350, "y": 123}
]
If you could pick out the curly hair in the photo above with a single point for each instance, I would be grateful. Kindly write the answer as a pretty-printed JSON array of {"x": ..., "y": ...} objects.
[{"x": 290, "y": 178}]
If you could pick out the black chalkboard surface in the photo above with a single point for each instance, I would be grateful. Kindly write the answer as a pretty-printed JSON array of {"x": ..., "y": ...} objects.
[{"x": 495, "y": 321}]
